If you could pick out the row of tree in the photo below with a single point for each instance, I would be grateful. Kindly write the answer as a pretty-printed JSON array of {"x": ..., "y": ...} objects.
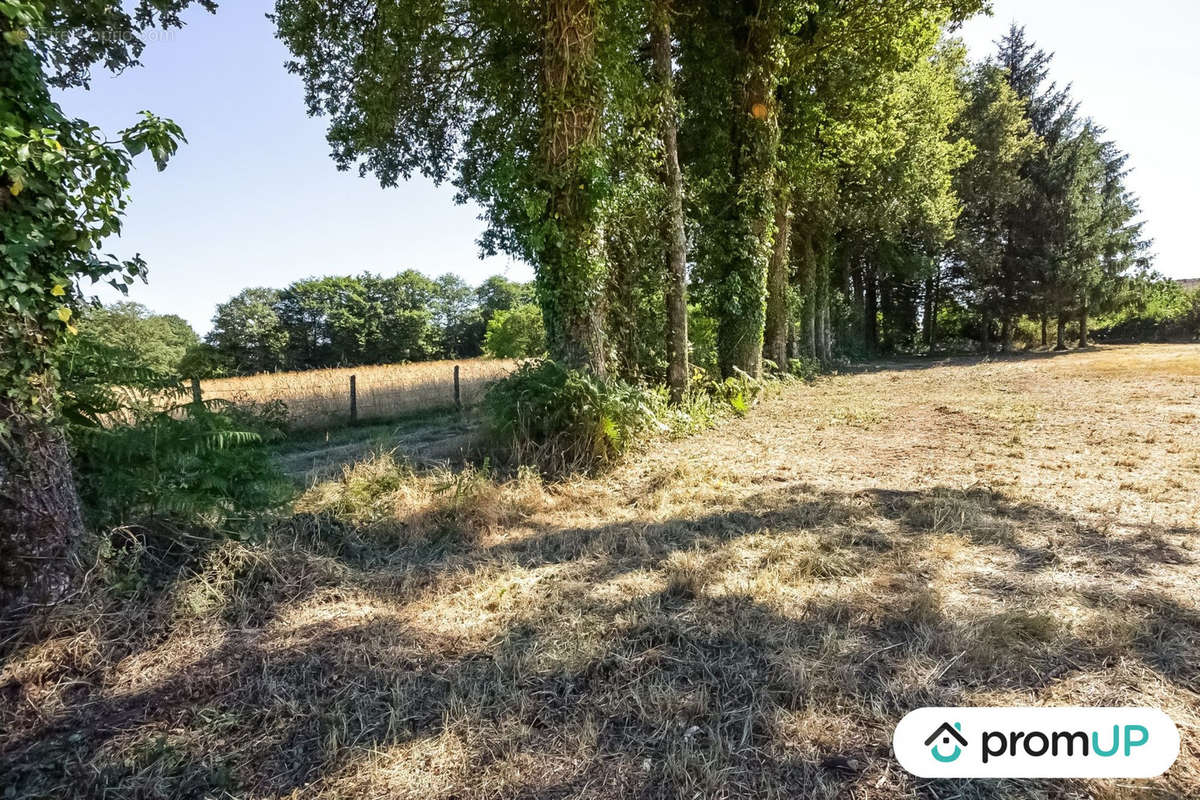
[
  {"x": 363, "y": 319},
  {"x": 816, "y": 176}
]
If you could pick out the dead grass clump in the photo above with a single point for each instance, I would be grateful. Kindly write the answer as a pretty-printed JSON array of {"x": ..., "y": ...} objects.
[
  {"x": 688, "y": 573},
  {"x": 971, "y": 512},
  {"x": 798, "y": 559},
  {"x": 386, "y": 501}
]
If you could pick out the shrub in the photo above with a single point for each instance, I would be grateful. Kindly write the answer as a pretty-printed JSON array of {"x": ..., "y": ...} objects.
[
  {"x": 201, "y": 462},
  {"x": 560, "y": 419},
  {"x": 517, "y": 333}
]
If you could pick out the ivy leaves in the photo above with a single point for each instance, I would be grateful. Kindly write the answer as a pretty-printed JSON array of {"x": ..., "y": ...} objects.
[{"x": 63, "y": 190}]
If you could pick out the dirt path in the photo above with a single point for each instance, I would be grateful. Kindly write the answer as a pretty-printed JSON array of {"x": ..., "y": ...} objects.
[{"x": 741, "y": 614}]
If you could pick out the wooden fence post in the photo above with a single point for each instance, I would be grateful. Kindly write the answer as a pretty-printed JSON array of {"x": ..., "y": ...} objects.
[
  {"x": 457, "y": 391},
  {"x": 353, "y": 400},
  {"x": 197, "y": 394}
]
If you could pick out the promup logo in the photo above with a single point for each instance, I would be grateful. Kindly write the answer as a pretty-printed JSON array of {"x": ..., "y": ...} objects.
[
  {"x": 946, "y": 733},
  {"x": 1036, "y": 743}
]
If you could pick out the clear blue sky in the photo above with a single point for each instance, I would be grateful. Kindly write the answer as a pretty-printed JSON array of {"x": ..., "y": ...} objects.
[{"x": 253, "y": 199}]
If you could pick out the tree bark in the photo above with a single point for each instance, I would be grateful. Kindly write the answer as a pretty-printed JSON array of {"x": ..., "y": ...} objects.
[
  {"x": 571, "y": 266},
  {"x": 808, "y": 292},
  {"x": 986, "y": 341},
  {"x": 1062, "y": 332},
  {"x": 40, "y": 523},
  {"x": 927, "y": 318},
  {"x": 678, "y": 369},
  {"x": 871, "y": 311},
  {"x": 1006, "y": 327},
  {"x": 1083, "y": 322},
  {"x": 824, "y": 335},
  {"x": 775, "y": 333},
  {"x": 1045, "y": 330}
]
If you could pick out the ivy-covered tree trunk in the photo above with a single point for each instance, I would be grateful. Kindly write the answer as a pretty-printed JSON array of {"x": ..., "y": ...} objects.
[
  {"x": 571, "y": 268},
  {"x": 1062, "y": 332},
  {"x": 1006, "y": 334},
  {"x": 775, "y": 334},
  {"x": 40, "y": 523},
  {"x": 1045, "y": 329},
  {"x": 742, "y": 288},
  {"x": 678, "y": 369}
]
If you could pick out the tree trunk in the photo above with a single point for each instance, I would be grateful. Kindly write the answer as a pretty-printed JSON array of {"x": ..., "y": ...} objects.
[
  {"x": 1045, "y": 330},
  {"x": 1083, "y": 323},
  {"x": 40, "y": 524},
  {"x": 808, "y": 292},
  {"x": 775, "y": 335},
  {"x": 571, "y": 267},
  {"x": 927, "y": 317},
  {"x": 742, "y": 290},
  {"x": 678, "y": 370},
  {"x": 986, "y": 342},
  {"x": 824, "y": 336},
  {"x": 1006, "y": 327},
  {"x": 1062, "y": 332},
  {"x": 871, "y": 311}
]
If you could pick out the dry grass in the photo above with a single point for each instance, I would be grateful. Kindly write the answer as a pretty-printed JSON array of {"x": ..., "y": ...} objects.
[
  {"x": 322, "y": 396},
  {"x": 745, "y": 613}
]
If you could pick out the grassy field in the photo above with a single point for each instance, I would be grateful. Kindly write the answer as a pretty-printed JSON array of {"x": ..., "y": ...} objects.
[
  {"x": 744, "y": 613},
  {"x": 321, "y": 397}
]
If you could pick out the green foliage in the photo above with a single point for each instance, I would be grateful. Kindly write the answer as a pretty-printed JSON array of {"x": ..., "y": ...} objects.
[
  {"x": 1150, "y": 307},
  {"x": 354, "y": 320},
  {"x": 199, "y": 463},
  {"x": 62, "y": 192},
  {"x": 561, "y": 420},
  {"x": 158, "y": 342},
  {"x": 517, "y": 333}
]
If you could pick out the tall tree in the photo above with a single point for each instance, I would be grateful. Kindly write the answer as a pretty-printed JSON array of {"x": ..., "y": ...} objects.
[
  {"x": 675, "y": 233},
  {"x": 62, "y": 192}
]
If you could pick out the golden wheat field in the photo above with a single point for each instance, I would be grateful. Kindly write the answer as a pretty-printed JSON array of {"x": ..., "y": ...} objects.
[
  {"x": 322, "y": 396},
  {"x": 743, "y": 613}
]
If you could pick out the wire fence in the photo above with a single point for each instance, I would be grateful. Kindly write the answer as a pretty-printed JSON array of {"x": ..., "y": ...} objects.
[{"x": 331, "y": 397}]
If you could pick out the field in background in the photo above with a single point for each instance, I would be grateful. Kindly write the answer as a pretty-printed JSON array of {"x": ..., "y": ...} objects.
[
  {"x": 744, "y": 613},
  {"x": 321, "y": 397}
]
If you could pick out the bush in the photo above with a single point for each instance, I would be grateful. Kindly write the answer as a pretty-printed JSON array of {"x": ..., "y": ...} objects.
[
  {"x": 561, "y": 420},
  {"x": 517, "y": 333},
  {"x": 201, "y": 462}
]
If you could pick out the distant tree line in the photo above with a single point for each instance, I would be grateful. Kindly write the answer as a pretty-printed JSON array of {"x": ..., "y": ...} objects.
[{"x": 369, "y": 319}]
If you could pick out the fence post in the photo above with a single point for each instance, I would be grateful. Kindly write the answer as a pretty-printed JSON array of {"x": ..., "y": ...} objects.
[
  {"x": 353, "y": 400},
  {"x": 197, "y": 394},
  {"x": 457, "y": 391}
]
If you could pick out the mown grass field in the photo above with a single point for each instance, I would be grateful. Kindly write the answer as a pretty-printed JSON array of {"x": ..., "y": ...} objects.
[
  {"x": 743, "y": 613},
  {"x": 321, "y": 397}
]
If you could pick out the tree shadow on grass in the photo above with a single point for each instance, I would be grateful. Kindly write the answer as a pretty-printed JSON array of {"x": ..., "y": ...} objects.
[{"x": 761, "y": 651}]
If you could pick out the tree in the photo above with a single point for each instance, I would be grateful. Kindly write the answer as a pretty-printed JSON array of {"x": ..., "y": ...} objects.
[
  {"x": 456, "y": 317},
  {"x": 989, "y": 186},
  {"x": 498, "y": 293},
  {"x": 155, "y": 341},
  {"x": 508, "y": 98},
  {"x": 516, "y": 333},
  {"x": 62, "y": 192},
  {"x": 678, "y": 370},
  {"x": 247, "y": 333}
]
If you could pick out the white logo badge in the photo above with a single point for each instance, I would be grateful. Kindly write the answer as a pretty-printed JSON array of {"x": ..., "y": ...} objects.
[{"x": 1036, "y": 742}]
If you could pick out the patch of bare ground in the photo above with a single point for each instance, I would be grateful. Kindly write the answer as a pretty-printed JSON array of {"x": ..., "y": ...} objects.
[{"x": 743, "y": 613}]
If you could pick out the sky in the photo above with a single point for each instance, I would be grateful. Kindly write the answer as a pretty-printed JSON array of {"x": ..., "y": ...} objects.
[{"x": 253, "y": 199}]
